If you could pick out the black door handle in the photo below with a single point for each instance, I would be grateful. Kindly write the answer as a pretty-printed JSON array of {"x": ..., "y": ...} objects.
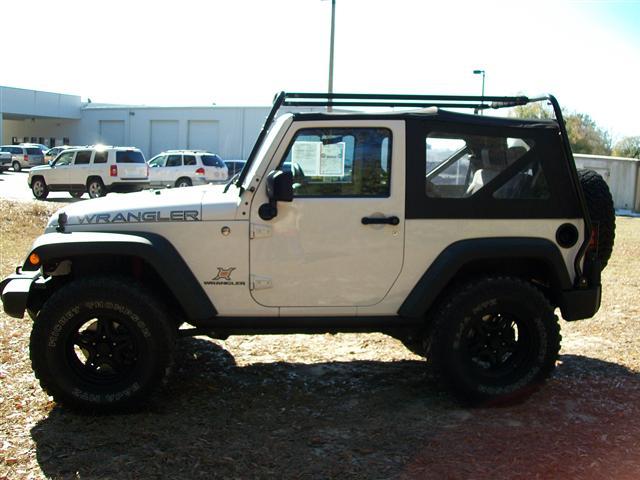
[{"x": 380, "y": 220}]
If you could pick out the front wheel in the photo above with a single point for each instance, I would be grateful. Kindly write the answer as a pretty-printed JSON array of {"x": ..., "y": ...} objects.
[
  {"x": 495, "y": 339},
  {"x": 102, "y": 344},
  {"x": 96, "y": 188},
  {"x": 39, "y": 188}
]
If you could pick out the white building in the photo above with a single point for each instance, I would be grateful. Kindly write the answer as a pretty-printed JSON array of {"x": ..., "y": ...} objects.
[{"x": 57, "y": 119}]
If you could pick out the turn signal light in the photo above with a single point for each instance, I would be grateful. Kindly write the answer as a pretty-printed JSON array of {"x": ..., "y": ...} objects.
[{"x": 34, "y": 259}]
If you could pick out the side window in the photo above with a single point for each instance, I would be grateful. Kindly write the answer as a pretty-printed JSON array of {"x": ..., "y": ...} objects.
[
  {"x": 101, "y": 157},
  {"x": 460, "y": 165},
  {"x": 174, "y": 161},
  {"x": 189, "y": 160},
  {"x": 83, "y": 157},
  {"x": 157, "y": 161},
  {"x": 340, "y": 162},
  {"x": 16, "y": 151},
  {"x": 64, "y": 159}
]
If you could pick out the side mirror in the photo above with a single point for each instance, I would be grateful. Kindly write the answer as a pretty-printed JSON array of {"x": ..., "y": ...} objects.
[{"x": 279, "y": 189}]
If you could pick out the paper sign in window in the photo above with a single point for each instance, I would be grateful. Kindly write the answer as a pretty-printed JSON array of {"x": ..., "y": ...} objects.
[
  {"x": 307, "y": 155},
  {"x": 332, "y": 160}
]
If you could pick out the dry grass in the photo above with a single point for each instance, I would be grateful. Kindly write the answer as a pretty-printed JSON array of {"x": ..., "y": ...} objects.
[{"x": 344, "y": 406}]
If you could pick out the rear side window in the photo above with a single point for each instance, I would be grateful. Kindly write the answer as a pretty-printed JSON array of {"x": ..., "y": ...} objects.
[
  {"x": 129, "y": 156},
  {"x": 16, "y": 151},
  {"x": 100, "y": 157},
  {"x": 189, "y": 160},
  {"x": 83, "y": 157},
  {"x": 34, "y": 151},
  {"x": 212, "y": 161},
  {"x": 174, "y": 161}
]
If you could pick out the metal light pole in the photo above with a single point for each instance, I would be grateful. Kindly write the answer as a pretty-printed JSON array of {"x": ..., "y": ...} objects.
[
  {"x": 481, "y": 72},
  {"x": 333, "y": 31}
]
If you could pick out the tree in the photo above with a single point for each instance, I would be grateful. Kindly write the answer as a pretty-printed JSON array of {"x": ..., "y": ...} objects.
[
  {"x": 532, "y": 110},
  {"x": 585, "y": 136},
  {"x": 628, "y": 147}
]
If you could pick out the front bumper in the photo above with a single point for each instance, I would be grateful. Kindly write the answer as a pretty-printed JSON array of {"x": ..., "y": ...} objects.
[{"x": 15, "y": 291}]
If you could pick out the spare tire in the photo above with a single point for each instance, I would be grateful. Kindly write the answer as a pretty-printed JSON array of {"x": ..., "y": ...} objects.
[{"x": 601, "y": 210}]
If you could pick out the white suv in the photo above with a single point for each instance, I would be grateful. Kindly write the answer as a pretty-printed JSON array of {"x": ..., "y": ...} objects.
[
  {"x": 183, "y": 168},
  {"x": 96, "y": 170}
]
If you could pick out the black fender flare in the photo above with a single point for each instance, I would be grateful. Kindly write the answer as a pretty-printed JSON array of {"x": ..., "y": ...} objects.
[
  {"x": 459, "y": 254},
  {"x": 154, "y": 249}
]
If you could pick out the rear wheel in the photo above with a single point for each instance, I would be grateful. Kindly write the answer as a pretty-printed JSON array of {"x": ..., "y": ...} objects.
[
  {"x": 16, "y": 166},
  {"x": 76, "y": 194},
  {"x": 495, "y": 339},
  {"x": 183, "y": 182},
  {"x": 101, "y": 344},
  {"x": 39, "y": 188},
  {"x": 96, "y": 188}
]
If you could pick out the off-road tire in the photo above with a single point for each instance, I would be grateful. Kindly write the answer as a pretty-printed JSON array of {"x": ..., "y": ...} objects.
[
  {"x": 76, "y": 194},
  {"x": 16, "y": 166},
  {"x": 465, "y": 324},
  {"x": 133, "y": 319},
  {"x": 96, "y": 188},
  {"x": 183, "y": 182},
  {"x": 39, "y": 188},
  {"x": 601, "y": 210}
]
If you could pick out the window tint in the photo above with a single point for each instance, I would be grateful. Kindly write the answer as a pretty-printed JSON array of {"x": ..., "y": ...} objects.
[
  {"x": 83, "y": 157},
  {"x": 64, "y": 159},
  {"x": 17, "y": 151},
  {"x": 101, "y": 157},
  {"x": 129, "y": 156},
  {"x": 189, "y": 160},
  {"x": 212, "y": 161},
  {"x": 174, "y": 161},
  {"x": 528, "y": 184},
  {"x": 340, "y": 162},
  {"x": 34, "y": 151},
  {"x": 157, "y": 161},
  {"x": 459, "y": 166}
]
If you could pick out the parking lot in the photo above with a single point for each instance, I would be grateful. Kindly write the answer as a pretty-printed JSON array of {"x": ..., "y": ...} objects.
[{"x": 13, "y": 186}]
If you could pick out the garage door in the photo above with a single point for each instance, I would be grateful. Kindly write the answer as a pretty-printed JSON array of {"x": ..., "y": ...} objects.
[
  {"x": 203, "y": 135},
  {"x": 112, "y": 132},
  {"x": 164, "y": 136}
]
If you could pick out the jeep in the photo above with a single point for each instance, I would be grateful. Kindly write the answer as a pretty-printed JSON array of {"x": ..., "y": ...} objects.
[{"x": 458, "y": 233}]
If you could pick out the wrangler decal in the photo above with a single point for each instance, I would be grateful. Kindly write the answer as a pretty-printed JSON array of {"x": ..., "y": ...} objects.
[{"x": 141, "y": 217}]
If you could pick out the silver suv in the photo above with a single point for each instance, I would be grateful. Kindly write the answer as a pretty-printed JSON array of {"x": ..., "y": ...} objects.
[
  {"x": 23, "y": 156},
  {"x": 183, "y": 168},
  {"x": 96, "y": 170}
]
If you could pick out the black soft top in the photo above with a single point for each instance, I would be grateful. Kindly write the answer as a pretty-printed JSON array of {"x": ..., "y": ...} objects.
[{"x": 435, "y": 114}]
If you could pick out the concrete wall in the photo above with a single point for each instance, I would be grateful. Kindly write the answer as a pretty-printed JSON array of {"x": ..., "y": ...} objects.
[
  {"x": 34, "y": 103},
  {"x": 621, "y": 174}
]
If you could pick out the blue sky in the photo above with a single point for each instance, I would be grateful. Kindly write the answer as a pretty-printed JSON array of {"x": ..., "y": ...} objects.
[{"x": 243, "y": 51}]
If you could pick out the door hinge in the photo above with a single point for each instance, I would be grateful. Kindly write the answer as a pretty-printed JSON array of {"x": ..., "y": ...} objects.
[
  {"x": 260, "y": 231},
  {"x": 260, "y": 283}
]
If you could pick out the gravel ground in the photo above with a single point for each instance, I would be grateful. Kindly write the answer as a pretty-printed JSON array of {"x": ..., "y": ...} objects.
[{"x": 336, "y": 406}]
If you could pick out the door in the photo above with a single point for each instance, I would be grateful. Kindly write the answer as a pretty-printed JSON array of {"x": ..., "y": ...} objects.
[
  {"x": 112, "y": 132},
  {"x": 156, "y": 166},
  {"x": 172, "y": 170},
  {"x": 339, "y": 243},
  {"x": 80, "y": 171},
  {"x": 59, "y": 176}
]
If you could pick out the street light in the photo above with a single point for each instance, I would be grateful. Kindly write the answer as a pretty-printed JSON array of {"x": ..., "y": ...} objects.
[
  {"x": 481, "y": 72},
  {"x": 333, "y": 31}
]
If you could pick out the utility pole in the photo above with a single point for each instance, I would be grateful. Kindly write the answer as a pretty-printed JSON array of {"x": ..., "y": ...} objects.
[{"x": 333, "y": 32}]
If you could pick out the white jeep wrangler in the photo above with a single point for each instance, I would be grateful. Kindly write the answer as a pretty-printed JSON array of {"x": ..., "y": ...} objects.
[{"x": 459, "y": 234}]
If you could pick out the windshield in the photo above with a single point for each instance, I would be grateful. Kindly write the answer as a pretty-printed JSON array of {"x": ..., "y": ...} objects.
[{"x": 269, "y": 139}]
